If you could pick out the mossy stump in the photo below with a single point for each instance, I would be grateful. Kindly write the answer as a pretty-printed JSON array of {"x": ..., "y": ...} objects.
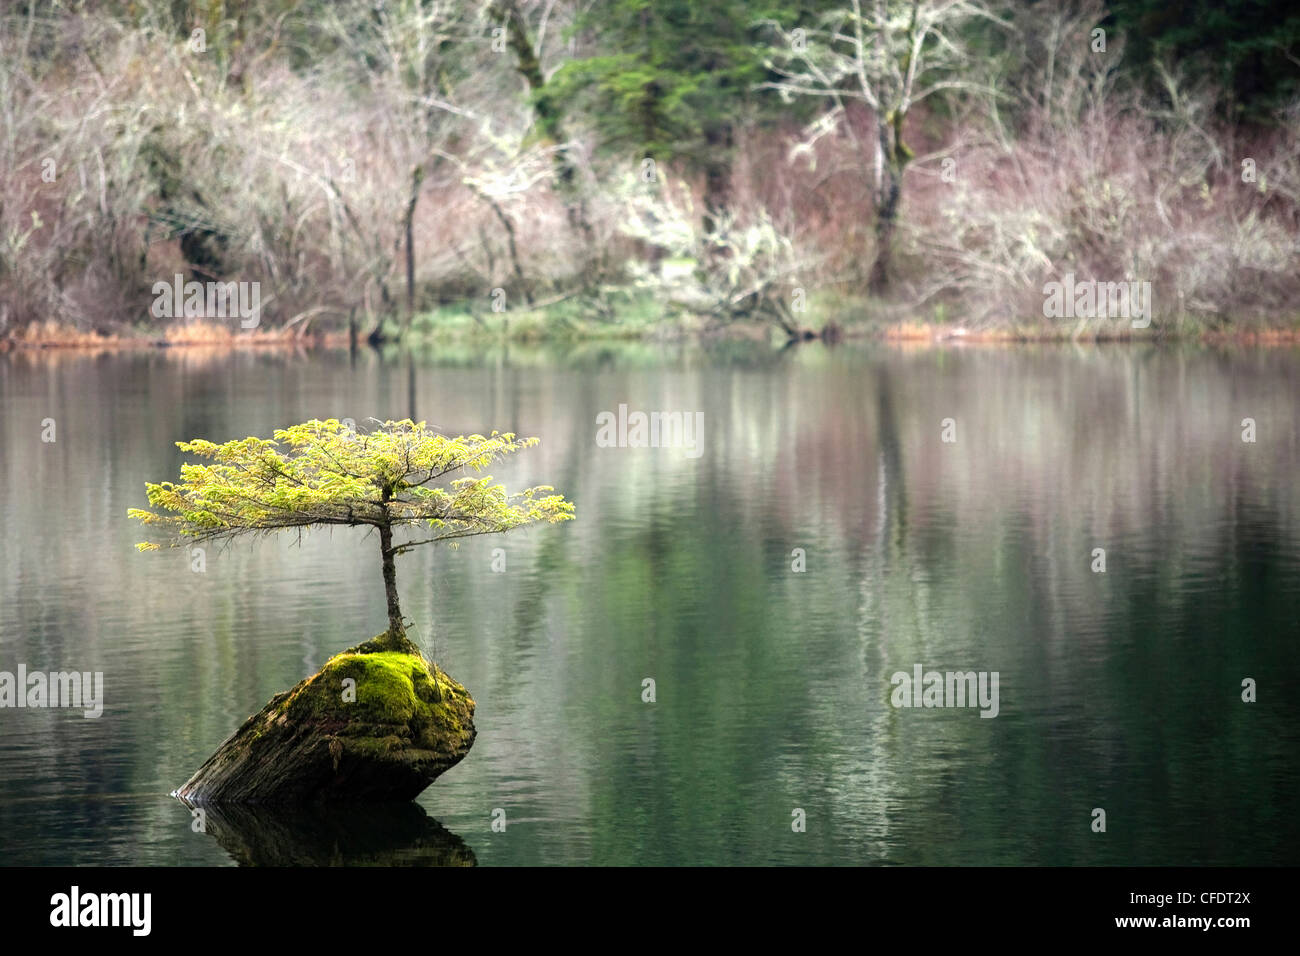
[{"x": 377, "y": 723}]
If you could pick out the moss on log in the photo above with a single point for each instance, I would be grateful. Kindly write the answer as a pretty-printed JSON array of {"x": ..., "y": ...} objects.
[{"x": 377, "y": 723}]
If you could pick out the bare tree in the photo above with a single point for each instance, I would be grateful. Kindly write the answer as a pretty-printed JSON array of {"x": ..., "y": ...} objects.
[{"x": 891, "y": 57}]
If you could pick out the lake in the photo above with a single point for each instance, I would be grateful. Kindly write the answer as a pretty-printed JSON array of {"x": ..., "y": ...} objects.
[{"x": 848, "y": 515}]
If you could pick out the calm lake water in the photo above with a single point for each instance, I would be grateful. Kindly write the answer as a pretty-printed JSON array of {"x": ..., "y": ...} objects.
[{"x": 1119, "y": 690}]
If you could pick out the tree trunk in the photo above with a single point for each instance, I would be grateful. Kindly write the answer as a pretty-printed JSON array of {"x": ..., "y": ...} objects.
[
  {"x": 549, "y": 121},
  {"x": 886, "y": 219},
  {"x": 395, "y": 628},
  {"x": 717, "y": 200},
  {"x": 511, "y": 247},
  {"x": 892, "y": 156},
  {"x": 717, "y": 176},
  {"x": 417, "y": 179}
]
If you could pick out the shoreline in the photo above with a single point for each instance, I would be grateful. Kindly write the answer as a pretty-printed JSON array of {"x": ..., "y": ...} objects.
[{"x": 215, "y": 338}]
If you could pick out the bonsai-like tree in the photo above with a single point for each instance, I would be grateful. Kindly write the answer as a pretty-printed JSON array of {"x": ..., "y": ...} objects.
[{"x": 328, "y": 473}]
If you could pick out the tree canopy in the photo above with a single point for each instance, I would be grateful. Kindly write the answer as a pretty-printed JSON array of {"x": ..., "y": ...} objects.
[{"x": 321, "y": 473}]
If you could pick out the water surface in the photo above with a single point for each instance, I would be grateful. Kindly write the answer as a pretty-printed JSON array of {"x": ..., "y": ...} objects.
[{"x": 1119, "y": 690}]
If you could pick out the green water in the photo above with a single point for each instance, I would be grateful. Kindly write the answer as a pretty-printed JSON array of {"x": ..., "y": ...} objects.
[{"x": 1119, "y": 690}]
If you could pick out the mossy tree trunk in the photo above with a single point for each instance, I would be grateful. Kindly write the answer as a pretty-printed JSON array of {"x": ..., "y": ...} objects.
[
  {"x": 550, "y": 123},
  {"x": 409, "y": 723},
  {"x": 892, "y": 154},
  {"x": 892, "y": 157},
  {"x": 396, "y": 631},
  {"x": 887, "y": 201}
]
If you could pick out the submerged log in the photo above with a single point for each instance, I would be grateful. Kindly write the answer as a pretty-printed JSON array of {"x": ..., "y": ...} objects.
[{"x": 377, "y": 723}]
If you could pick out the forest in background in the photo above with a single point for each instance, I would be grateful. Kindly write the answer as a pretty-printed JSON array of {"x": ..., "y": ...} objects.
[{"x": 422, "y": 167}]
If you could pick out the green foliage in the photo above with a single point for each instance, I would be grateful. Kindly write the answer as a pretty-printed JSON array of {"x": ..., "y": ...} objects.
[
  {"x": 324, "y": 473},
  {"x": 1251, "y": 48},
  {"x": 664, "y": 78}
]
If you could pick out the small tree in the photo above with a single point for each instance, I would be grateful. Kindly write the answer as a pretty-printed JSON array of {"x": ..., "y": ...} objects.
[{"x": 327, "y": 473}]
